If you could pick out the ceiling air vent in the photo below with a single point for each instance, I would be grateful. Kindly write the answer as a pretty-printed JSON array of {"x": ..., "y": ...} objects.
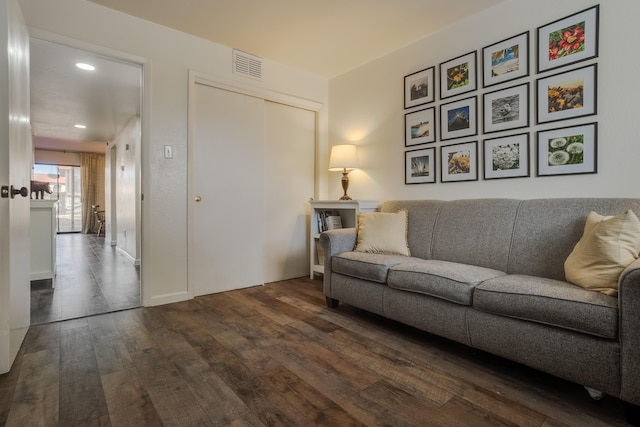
[{"x": 247, "y": 65}]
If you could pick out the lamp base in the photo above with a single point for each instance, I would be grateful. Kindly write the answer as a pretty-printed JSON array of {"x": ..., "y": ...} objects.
[{"x": 345, "y": 185}]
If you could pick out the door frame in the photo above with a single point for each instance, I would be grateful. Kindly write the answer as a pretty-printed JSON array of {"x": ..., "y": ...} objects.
[
  {"x": 196, "y": 78},
  {"x": 145, "y": 128}
]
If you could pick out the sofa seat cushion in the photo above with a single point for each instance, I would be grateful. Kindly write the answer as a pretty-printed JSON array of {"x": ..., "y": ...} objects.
[
  {"x": 365, "y": 265},
  {"x": 450, "y": 281},
  {"x": 551, "y": 302}
]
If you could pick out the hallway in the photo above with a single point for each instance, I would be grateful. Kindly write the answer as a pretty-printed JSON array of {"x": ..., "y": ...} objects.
[{"x": 92, "y": 278}]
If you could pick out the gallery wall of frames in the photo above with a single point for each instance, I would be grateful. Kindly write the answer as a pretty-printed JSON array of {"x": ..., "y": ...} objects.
[{"x": 455, "y": 131}]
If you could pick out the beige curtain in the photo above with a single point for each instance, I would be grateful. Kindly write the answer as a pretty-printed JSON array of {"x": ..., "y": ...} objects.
[{"x": 92, "y": 168}]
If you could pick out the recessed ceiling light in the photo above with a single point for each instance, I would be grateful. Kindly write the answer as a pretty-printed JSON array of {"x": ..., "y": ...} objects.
[
  {"x": 86, "y": 67},
  {"x": 80, "y": 126}
]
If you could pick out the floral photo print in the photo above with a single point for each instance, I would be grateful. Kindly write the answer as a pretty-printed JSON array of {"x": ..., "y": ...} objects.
[
  {"x": 458, "y": 75},
  {"x": 567, "y": 151},
  {"x": 506, "y": 157},
  {"x": 568, "y": 40},
  {"x": 459, "y": 162},
  {"x": 567, "y": 95}
]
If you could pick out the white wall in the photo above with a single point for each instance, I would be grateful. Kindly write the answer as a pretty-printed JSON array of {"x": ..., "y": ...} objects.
[
  {"x": 127, "y": 148},
  {"x": 57, "y": 158},
  {"x": 170, "y": 55},
  {"x": 367, "y": 107}
]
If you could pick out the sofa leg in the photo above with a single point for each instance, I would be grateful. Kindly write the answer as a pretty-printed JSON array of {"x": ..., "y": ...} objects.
[
  {"x": 633, "y": 414},
  {"x": 595, "y": 394},
  {"x": 332, "y": 303}
]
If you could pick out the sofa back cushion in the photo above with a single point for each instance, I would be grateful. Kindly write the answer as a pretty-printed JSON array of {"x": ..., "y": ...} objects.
[
  {"x": 422, "y": 216},
  {"x": 546, "y": 231},
  {"x": 476, "y": 232}
]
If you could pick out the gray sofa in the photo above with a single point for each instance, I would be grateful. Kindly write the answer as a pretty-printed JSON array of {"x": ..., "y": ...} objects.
[{"x": 489, "y": 273}]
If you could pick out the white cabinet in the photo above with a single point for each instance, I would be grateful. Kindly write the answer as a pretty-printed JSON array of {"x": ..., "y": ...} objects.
[
  {"x": 348, "y": 211},
  {"x": 43, "y": 238}
]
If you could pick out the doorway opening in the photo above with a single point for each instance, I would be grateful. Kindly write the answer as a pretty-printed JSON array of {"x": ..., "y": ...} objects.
[{"x": 81, "y": 119}]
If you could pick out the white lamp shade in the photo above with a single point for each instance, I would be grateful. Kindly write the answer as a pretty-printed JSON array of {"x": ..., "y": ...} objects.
[{"x": 343, "y": 157}]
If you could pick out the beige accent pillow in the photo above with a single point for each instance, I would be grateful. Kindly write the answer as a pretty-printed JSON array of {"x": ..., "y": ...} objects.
[
  {"x": 609, "y": 244},
  {"x": 383, "y": 233}
]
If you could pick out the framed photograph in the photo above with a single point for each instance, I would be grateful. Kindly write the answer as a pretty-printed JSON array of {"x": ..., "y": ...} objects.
[
  {"x": 420, "y": 166},
  {"x": 459, "y": 162},
  {"x": 568, "y": 40},
  {"x": 506, "y": 108},
  {"x": 458, "y": 75},
  {"x": 567, "y": 151},
  {"x": 458, "y": 118},
  {"x": 567, "y": 95},
  {"x": 420, "y": 127},
  {"x": 419, "y": 88},
  {"x": 506, "y": 60},
  {"x": 506, "y": 157}
]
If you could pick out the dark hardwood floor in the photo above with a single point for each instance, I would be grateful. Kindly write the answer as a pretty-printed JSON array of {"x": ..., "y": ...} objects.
[
  {"x": 274, "y": 355},
  {"x": 92, "y": 278}
]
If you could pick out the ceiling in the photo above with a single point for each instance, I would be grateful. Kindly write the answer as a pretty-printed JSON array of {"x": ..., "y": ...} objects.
[
  {"x": 326, "y": 38},
  {"x": 63, "y": 96}
]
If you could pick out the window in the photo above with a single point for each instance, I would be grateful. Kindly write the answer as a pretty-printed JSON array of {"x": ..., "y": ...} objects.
[{"x": 64, "y": 182}]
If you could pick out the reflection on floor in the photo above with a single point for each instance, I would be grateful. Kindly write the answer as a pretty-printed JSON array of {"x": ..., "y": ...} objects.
[{"x": 92, "y": 278}]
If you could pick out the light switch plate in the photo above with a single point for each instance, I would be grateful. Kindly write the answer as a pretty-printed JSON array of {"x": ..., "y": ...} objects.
[{"x": 168, "y": 152}]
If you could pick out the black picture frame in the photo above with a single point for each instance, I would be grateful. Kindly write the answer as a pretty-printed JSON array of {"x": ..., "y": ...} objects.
[
  {"x": 506, "y": 60},
  {"x": 459, "y": 118},
  {"x": 420, "y": 166},
  {"x": 420, "y": 127},
  {"x": 459, "y": 162},
  {"x": 567, "y": 150},
  {"x": 506, "y": 157},
  {"x": 506, "y": 109},
  {"x": 458, "y": 75},
  {"x": 419, "y": 88},
  {"x": 568, "y": 40},
  {"x": 567, "y": 95}
]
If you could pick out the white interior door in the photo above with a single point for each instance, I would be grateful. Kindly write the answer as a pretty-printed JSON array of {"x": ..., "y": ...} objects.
[
  {"x": 16, "y": 156},
  {"x": 289, "y": 183},
  {"x": 227, "y": 223}
]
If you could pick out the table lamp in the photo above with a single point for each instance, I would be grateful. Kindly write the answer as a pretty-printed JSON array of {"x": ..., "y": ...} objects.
[{"x": 345, "y": 158}]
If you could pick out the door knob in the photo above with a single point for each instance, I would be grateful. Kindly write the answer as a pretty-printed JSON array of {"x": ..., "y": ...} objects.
[
  {"x": 23, "y": 191},
  {"x": 197, "y": 198}
]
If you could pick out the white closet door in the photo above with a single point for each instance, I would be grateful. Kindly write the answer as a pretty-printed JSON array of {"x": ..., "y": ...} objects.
[
  {"x": 226, "y": 248},
  {"x": 289, "y": 183}
]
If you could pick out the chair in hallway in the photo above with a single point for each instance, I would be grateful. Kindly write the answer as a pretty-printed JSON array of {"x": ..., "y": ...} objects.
[{"x": 99, "y": 218}]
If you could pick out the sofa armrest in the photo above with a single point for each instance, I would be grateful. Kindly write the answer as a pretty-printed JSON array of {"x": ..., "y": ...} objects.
[
  {"x": 629, "y": 306},
  {"x": 334, "y": 242}
]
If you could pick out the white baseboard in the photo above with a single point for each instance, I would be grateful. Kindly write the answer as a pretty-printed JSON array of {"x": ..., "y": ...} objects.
[
  {"x": 166, "y": 299},
  {"x": 127, "y": 255}
]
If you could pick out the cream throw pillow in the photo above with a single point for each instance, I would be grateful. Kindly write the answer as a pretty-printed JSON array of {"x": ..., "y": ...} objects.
[
  {"x": 383, "y": 233},
  {"x": 609, "y": 244}
]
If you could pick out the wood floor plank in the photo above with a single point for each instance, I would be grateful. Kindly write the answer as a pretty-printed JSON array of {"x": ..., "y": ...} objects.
[
  {"x": 127, "y": 399},
  {"x": 216, "y": 398},
  {"x": 173, "y": 400},
  {"x": 36, "y": 397},
  {"x": 392, "y": 366},
  {"x": 82, "y": 400},
  {"x": 254, "y": 392},
  {"x": 322, "y": 411},
  {"x": 275, "y": 355}
]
